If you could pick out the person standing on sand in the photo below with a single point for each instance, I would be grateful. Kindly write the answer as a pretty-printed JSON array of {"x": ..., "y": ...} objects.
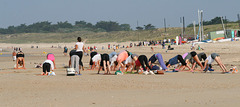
[
  {"x": 14, "y": 55},
  {"x": 79, "y": 46}
]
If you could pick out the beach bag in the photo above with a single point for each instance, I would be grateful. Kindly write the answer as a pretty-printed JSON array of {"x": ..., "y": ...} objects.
[{"x": 71, "y": 72}]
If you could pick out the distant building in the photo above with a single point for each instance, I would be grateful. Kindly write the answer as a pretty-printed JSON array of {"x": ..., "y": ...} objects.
[{"x": 230, "y": 33}]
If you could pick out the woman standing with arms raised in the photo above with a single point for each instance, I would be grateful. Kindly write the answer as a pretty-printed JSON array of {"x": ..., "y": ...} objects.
[{"x": 79, "y": 46}]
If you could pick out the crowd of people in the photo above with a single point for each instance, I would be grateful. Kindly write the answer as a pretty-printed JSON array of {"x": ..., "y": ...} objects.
[{"x": 125, "y": 61}]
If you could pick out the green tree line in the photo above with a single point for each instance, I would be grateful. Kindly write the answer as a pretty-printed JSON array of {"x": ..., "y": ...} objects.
[
  {"x": 216, "y": 20},
  {"x": 48, "y": 27}
]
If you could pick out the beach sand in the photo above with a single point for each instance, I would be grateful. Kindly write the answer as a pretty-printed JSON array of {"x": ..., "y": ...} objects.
[{"x": 23, "y": 88}]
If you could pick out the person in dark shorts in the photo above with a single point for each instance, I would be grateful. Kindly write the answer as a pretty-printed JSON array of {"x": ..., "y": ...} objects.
[
  {"x": 104, "y": 63},
  {"x": 20, "y": 60},
  {"x": 193, "y": 56}
]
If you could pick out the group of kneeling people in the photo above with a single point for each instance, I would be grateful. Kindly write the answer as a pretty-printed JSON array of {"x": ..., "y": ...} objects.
[{"x": 126, "y": 61}]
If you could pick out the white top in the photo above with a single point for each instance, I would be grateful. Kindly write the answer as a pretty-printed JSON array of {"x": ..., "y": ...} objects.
[
  {"x": 210, "y": 60},
  {"x": 113, "y": 59},
  {"x": 80, "y": 46},
  {"x": 96, "y": 58},
  {"x": 128, "y": 60},
  {"x": 50, "y": 62}
]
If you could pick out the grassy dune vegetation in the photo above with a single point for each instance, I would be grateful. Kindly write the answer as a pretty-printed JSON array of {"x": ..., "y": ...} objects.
[{"x": 118, "y": 36}]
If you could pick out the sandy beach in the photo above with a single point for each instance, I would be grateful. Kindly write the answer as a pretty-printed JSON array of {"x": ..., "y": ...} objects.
[{"x": 26, "y": 88}]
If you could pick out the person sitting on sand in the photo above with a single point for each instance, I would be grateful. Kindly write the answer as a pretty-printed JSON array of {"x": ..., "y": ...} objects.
[
  {"x": 48, "y": 66},
  {"x": 140, "y": 60},
  {"x": 105, "y": 64},
  {"x": 174, "y": 61},
  {"x": 20, "y": 60},
  {"x": 92, "y": 54},
  {"x": 210, "y": 59},
  {"x": 158, "y": 57}
]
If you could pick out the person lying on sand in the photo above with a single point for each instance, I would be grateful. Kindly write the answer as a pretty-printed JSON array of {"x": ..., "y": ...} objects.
[
  {"x": 104, "y": 64},
  {"x": 20, "y": 60},
  {"x": 210, "y": 59}
]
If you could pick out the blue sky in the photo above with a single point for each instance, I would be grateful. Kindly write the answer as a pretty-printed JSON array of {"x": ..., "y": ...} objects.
[{"x": 16, "y": 12}]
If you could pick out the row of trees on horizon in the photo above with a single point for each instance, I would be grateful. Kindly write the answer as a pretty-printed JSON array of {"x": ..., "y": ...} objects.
[
  {"x": 101, "y": 26},
  {"x": 65, "y": 27}
]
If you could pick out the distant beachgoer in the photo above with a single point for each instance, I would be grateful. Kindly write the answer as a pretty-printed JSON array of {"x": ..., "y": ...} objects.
[
  {"x": 210, "y": 59},
  {"x": 65, "y": 50},
  {"x": 14, "y": 55}
]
